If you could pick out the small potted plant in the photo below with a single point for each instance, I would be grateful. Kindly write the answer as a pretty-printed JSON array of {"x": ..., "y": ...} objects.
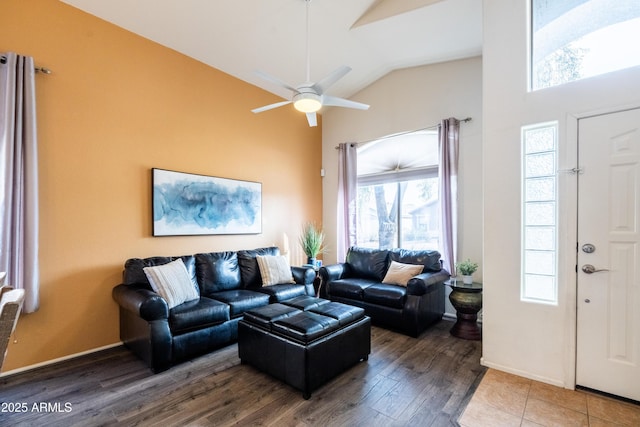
[
  {"x": 467, "y": 268},
  {"x": 312, "y": 242}
]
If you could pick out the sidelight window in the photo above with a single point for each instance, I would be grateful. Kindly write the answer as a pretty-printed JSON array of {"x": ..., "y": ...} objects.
[{"x": 539, "y": 214}]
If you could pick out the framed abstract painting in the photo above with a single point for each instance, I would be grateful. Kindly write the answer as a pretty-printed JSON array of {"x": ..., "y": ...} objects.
[{"x": 187, "y": 204}]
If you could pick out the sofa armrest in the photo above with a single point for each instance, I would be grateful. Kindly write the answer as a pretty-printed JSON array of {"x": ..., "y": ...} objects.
[
  {"x": 142, "y": 302},
  {"x": 303, "y": 275},
  {"x": 329, "y": 273},
  {"x": 421, "y": 284}
]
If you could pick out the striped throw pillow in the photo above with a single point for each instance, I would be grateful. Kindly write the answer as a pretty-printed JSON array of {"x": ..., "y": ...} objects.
[
  {"x": 172, "y": 282},
  {"x": 274, "y": 269}
]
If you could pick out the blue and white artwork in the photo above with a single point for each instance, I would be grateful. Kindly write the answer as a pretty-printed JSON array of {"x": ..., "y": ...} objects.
[{"x": 188, "y": 204}]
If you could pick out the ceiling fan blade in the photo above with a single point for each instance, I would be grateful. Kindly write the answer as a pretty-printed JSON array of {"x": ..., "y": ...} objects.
[
  {"x": 274, "y": 80},
  {"x": 332, "y": 101},
  {"x": 270, "y": 106},
  {"x": 333, "y": 77},
  {"x": 312, "y": 119}
]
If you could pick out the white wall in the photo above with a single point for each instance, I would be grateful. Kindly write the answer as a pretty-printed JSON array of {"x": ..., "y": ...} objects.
[
  {"x": 533, "y": 340},
  {"x": 406, "y": 100}
]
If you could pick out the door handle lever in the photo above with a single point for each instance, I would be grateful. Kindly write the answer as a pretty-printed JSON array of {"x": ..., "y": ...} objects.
[{"x": 590, "y": 269}]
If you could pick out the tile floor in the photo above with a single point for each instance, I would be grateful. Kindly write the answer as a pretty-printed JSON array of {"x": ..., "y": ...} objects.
[{"x": 503, "y": 399}]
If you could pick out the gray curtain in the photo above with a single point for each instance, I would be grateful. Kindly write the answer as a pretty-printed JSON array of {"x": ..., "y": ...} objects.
[
  {"x": 448, "y": 139},
  {"x": 19, "y": 169},
  {"x": 347, "y": 191}
]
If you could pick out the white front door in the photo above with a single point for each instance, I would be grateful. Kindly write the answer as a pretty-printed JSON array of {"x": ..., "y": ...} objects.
[{"x": 608, "y": 324}]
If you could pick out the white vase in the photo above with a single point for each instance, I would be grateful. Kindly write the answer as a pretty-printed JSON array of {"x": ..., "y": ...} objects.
[{"x": 467, "y": 280}]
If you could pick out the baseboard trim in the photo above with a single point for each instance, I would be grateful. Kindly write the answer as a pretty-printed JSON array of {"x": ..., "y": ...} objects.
[
  {"x": 523, "y": 374},
  {"x": 449, "y": 316},
  {"x": 59, "y": 359}
]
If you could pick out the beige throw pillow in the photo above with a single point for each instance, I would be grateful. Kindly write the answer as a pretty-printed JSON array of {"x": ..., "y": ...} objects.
[
  {"x": 172, "y": 282},
  {"x": 399, "y": 274},
  {"x": 274, "y": 269}
]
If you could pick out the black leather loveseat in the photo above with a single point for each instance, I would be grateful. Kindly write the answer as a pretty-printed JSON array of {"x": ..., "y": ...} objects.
[
  {"x": 410, "y": 307},
  {"x": 228, "y": 284}
]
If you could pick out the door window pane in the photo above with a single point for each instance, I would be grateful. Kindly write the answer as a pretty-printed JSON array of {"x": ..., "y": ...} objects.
[
  {"x": 540, "y": 238},
  {"x": 540, "y": 189},
  {"x": 540, "y": 164},
  {"x": 540, "y": 288},
  {"x": 540, "y": 213},
  {"x": 540, "y": 262}
]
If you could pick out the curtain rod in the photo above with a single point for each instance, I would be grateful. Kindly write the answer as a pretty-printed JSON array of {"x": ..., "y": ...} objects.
[
  {"x": 43, "y": 70},
  {"x": 465, "y": 120}
]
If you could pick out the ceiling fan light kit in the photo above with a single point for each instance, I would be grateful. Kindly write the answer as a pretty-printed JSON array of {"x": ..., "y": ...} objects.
[
  {"x": 308, "y": 97},
  {"x": 307, "y": 102}
]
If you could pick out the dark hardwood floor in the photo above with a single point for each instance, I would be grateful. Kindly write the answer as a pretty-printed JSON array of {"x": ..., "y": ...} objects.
[{"x": 407, "y": 381}]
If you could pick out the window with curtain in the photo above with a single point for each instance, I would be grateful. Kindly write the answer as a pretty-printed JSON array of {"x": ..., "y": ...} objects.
[
  {"x": 397, "y": 192},
  {"x": 19, "y": 170},
  {"x": 576, "y": 39}
]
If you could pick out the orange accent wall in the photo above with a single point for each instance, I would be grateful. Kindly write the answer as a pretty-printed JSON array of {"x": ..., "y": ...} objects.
[{"x": 116, "y": 106}]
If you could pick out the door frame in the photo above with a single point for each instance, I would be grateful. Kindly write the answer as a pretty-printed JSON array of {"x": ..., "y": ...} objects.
[{"x": 568, "y": 156}]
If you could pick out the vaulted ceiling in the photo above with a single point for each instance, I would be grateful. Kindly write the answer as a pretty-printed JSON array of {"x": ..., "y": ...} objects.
[{"x": 373, "y": 37}]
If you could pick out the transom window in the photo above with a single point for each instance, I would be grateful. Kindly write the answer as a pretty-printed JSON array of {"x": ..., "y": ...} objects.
[{"x": 576, "y": 39}]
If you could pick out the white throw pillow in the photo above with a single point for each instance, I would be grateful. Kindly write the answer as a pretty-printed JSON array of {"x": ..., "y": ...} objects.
[
  {"x": 400, "y": 274},
  {"x": 172, "y": 282},
  {"x": 274, "y": 269}
]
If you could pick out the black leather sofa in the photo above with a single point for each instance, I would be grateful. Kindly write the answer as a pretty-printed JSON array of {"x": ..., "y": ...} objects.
[
  {"x": 409, "y": 309},
  {"x": 229, "y": 284}
]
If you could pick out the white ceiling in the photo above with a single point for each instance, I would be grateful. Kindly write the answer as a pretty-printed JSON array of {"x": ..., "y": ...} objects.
[{"x": 373, "y": 37}]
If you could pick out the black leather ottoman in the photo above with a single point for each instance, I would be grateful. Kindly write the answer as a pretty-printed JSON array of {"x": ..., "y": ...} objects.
[{"x": 306, "y": 343}]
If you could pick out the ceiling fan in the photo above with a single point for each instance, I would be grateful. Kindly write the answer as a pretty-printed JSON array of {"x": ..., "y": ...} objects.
[{"x": 309, "y": 97}]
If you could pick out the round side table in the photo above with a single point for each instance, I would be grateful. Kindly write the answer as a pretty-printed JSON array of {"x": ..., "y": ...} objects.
[{"x": 467, "y": 300}]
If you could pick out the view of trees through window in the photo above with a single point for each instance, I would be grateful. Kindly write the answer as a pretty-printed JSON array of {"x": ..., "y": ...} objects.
[
  {"x": 399, "y": 214},
  {"x": 576, "y": 39},
  {"x": 397, "y": 199}
]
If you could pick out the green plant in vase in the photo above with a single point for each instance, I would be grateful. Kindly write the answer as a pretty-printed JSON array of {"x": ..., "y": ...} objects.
[
  {"x": 312, "y": 242},
  {"x": 466, "y": 269}
]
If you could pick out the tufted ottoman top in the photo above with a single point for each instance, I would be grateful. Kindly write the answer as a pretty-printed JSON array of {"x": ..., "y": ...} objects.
[
  {"x": 305, "y": 326},
  {"x": 304, "y": 319},
  {"x": 265, "y": 315},
  {"x": 305, "y": 302},
  {"x": 343, "y": 313}
]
